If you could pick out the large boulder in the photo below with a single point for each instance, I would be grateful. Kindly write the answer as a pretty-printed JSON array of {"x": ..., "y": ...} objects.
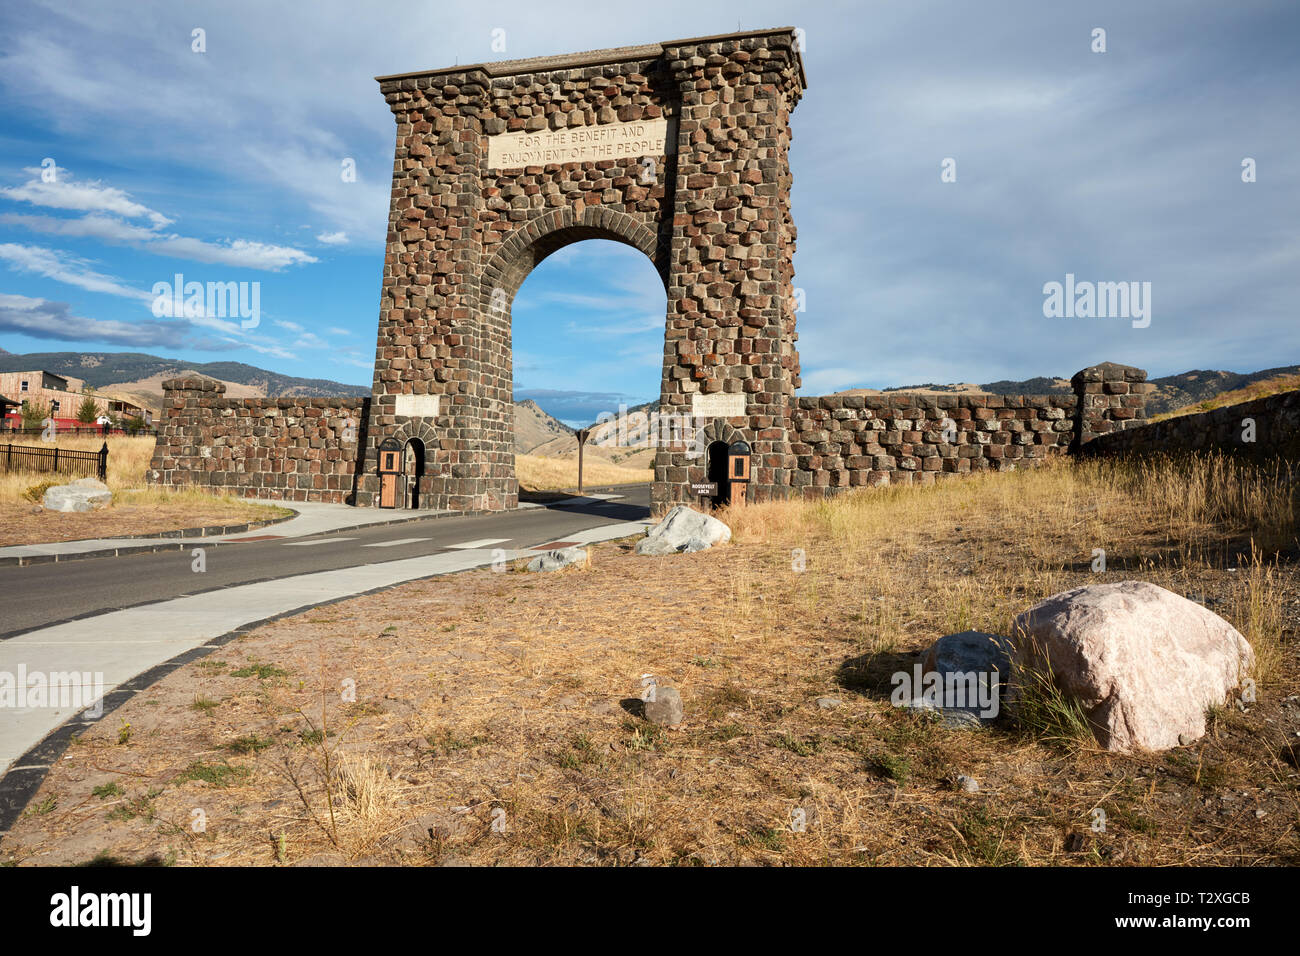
[
  {"x": 1143, "y": 662},
  {"x": 84, "y": 494},
  {"x": 683, "y": 529},
  {"x": 560, "y": 558}
]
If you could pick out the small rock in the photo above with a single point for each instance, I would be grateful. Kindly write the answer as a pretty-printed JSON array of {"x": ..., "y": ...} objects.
[
  {"x": 604, "y": 707},
  {"x": 666, "y": 709},
  {"x": 1185, "y": 741},
  {"x": 1075, "y": 843},
  {"x": 968, "y": 784},
  {"x": 1260, "y": 814},
  {"x": 559, "y": 559},
  {"x": 828, "y": 703},
  {"x": 84, "y": 494}
]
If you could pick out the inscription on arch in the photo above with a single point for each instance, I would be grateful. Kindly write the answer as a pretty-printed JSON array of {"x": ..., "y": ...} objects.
[{"x": 578, "y": 145}]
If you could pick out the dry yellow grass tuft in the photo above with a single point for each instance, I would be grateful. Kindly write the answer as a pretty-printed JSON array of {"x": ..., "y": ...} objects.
[{"x": 538, "y": 473}]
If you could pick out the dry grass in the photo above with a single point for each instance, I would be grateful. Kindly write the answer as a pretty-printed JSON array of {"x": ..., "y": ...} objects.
[
  {"x": 137, "y": 509},
  {"x": 128, "y": 459},
  {"x": 539, "y": 473},
  {"x": 510, "y": 698},
  {"x": 1261, "y": 389}
]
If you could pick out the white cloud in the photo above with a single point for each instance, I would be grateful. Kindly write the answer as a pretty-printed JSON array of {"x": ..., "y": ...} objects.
[
  {"x": 66, "y": 269},
  {"x": 104, "y": 202},
  {"x": 93, "y": 196},
  {"x": 333, "y": 238}
]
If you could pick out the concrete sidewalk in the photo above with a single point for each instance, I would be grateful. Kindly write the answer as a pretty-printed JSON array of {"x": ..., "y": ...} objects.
[
  {"x": 312, "y": 518},
  {"x": 122, "y": 644}
]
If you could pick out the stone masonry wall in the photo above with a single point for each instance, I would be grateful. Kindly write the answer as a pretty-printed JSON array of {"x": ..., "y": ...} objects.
[
  {"x": 286, "y": 449},
  {"x": 301, "y": 449},
  {"x": 1264, "y": 428},
  {"x": 844, "y": 441}
]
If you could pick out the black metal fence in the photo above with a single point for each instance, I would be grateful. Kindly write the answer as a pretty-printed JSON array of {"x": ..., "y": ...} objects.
[
  {"x": 78, "y": 431},
  {"x": 55, "y": 461}
]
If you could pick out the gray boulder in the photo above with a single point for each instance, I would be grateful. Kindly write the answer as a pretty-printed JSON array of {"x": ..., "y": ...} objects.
[
  {"x": 683, "y": 530},
  {"x": 666, "y": 708},
  {"x": 962, "y": 678},
  {"x": 560, "y": 558},
  {"x": 84, "y": 494}
]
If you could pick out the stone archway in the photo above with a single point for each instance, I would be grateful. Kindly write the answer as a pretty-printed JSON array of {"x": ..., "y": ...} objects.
[{"x": 678, "y": 149}]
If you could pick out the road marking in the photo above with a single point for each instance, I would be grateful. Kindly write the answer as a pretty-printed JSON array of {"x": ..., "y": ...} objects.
[
  {"x": 260, "y": 537},
  {"x": 308, "y": 544},
  {"x": 481, "y": 543},
  {"x": 393, "y": 544}
]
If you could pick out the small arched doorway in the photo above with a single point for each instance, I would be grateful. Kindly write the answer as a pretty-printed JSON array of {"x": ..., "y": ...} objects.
[
  {"x": 717, "y": 471},
  {"x": 413, "y": 470}
]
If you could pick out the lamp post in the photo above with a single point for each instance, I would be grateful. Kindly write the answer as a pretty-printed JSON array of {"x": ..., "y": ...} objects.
[{"x": 582, "y": 434}]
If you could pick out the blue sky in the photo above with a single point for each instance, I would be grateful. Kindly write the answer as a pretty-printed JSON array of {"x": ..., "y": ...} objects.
[{"x": 1118, "y": 166}]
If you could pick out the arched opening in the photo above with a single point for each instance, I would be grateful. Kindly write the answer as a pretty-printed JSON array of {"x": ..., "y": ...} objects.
[
  {"x": 586, "y": 351},
  {"x": 413, "y": 471},
  {"x": 717, "y": 471}
]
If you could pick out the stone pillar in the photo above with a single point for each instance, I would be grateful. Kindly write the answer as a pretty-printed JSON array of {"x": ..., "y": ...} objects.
[
  {"x": 730, "y": 333},
  {"x": 1111, "y": 397},
  {"x": 186, "y": 407},
  {"x": 433, "y": 344}
]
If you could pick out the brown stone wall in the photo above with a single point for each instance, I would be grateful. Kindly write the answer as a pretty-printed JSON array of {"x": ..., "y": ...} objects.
[
  {"x": 843, "y": 442},
  {"x": 286, "y": 449},
  {"x": 1264, "y": 428}
]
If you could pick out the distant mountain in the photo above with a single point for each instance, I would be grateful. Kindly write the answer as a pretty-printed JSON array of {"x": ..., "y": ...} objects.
[
  {"x": 1170, "y": 392},
  {"x": 105, "y": 370},
  {"x": 1188, "y": 388},
  {"x": 534, "y": 427}
]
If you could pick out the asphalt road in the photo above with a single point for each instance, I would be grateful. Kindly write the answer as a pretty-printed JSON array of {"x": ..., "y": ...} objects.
[{"x": 42, "y": 594}]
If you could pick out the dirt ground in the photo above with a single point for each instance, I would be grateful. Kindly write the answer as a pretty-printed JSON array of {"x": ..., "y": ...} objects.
[{"x": 496, "y": 715}]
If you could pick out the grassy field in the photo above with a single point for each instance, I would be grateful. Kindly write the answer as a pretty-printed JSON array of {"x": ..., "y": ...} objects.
[
  {"x": 136, "y": 508},
  {"x": 539, "y": 473},
  {"x": 494, "y": 718}
]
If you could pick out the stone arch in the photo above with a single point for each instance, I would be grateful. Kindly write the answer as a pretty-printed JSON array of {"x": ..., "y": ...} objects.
[
  {"x": 679, "y": 149},
  {"x": 421, "y": 430},
  {"x": 526, "y": 248},
  {"x": 719, "y": 429}
]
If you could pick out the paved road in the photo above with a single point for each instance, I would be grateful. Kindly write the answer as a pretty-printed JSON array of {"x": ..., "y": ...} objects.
[{"x": 44, "y": 594}]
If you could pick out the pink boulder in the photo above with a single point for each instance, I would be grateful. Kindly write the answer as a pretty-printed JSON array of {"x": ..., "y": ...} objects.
[{"x": 1143, "y": 662}]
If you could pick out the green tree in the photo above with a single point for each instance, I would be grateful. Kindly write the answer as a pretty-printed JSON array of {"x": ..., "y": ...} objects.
[
  {"x": 87, "y": 411},
  {"x": 34, "y": 414}
]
